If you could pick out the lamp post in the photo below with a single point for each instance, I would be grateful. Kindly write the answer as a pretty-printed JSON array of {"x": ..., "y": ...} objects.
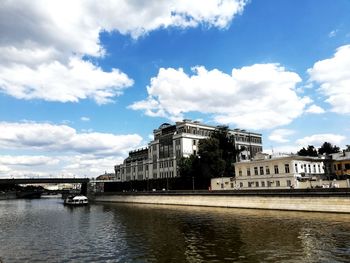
[{"x": 147, "y": 183}]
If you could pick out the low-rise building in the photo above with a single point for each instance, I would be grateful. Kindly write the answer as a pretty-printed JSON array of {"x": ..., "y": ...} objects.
[
  {"x": 341, "y": 164},
  {"x": 277, "y": 172}
]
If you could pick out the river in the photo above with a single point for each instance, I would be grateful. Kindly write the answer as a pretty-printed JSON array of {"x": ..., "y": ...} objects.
[{"x": 44, "y": 230}]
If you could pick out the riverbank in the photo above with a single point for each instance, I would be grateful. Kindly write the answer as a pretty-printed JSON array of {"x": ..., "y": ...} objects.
[{"x": 334, "y": 200}]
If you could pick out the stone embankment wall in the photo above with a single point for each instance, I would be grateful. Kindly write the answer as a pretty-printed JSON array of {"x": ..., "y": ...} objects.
[{"x": 316, "y": 201}]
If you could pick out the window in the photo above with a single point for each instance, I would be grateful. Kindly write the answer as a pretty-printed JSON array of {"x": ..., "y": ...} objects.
[
  {"x": 268, "y": 183},
  {"x": 250, "y": 184},
  {"x": 319, "y": 168},
  {"x": 256, "y": 184},
  {"x": 289, "y": 183},
  {"x": 314, "y": 168},
  {"x": 339, "y": 166},
  {"x": 276, "y": 169},
  {"x": 194, "y": 142},
  {"x": 262, "y": 184},
  {"x": 267, "y": 170},
  {"x": 296, "y": 167},
  {"x": 261, "y": 170},
  {"x": 286, "y": 168},
  {"x": 256, "y": 170},
  {"x": 248, "y": 171},
  {"x": 240, "y": 184},
  {"x": 231, "y": 185},
  {"x": 240, "y": 172},
  {"x": 347, "y": 166},
  {"x": 278, "y": 183}
]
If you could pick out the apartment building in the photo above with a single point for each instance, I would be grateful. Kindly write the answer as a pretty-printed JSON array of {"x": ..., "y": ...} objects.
[{"x": 173, "y": 141}]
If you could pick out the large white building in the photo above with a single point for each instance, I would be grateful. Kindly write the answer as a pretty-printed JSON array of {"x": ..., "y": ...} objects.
[
  {"x": 277, "y": 172},
  {"x": 171, "y": 142}
]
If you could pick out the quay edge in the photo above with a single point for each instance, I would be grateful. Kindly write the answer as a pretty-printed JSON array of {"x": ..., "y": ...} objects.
[{"x": 307, "y": 201}]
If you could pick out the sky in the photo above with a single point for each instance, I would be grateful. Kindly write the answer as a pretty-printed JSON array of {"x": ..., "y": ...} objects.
[{"x": 82, "y": 83}]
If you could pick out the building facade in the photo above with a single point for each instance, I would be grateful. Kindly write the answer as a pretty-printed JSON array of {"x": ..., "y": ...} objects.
[
  {"x": 171, "y": 142},
  {"x": 341, "y": 164},
  {"x": 266, "y": 171}
]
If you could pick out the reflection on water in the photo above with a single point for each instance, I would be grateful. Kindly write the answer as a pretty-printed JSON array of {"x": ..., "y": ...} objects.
[{"x": 46, "y": 231}]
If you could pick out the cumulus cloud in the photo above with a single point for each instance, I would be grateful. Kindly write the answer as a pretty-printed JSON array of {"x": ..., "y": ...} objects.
[
  {"x": 62, "y": 138},
  {"x": 64, "y": 83},
  {"x": 280, "y": 135},
  {"x": 258, "y": 96},
  {"x": 26, "y": 160},
  {"x": 84, "y": 118},
  {"x": 82, "y": 165},
  {"x": 318, "y": 139},
  {"x": 333, "y": 76},
  {"x": 68, "y": 152},
  {"x": 315, "y": 109},
  {"x": 41, "y": 56}
]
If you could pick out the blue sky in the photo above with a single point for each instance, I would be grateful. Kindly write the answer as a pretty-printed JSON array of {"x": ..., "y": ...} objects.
[{"x": 83, "y": 83}]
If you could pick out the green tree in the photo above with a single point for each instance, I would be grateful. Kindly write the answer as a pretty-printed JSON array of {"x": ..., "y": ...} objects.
[
  {"x": 216, "y": 156},
  {"x": 310, "y": 151},
  {"x": 328, "y": 148},
  {"x": 189, "y": 166},
  {"x": 211, "y": 161},
  {"x": 218, "y": 153}
]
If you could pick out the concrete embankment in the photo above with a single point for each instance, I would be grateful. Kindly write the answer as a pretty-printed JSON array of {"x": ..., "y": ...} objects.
[{"x": 333, "y": 200}]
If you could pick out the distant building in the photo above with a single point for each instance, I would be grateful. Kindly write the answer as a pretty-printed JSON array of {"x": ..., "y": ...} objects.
[
  {"x": 277, "y": 172},
  {"x": 341, "y": 164},
  {"x": 171, "y": 142},
  {"x": 106, "y": 176}
]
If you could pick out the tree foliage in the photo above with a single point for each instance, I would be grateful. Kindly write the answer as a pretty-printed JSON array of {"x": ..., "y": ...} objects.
[
  {"x": 310, "y": 151},
  {"x": 216, "y": 156},
  {"x": 326, "y": 148}
]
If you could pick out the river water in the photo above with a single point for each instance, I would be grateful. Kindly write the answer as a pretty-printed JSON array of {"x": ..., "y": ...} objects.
[{"x": 44, "y": 230}]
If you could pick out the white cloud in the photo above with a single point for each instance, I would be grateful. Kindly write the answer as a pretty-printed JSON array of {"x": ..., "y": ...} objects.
[
  {"x": 63, "y": 150},
  {"x": 26, "y": 160},
  {"x": 68, "y": 166},
  {"x": 64, "y": 83},
  {"x": 333, "y": 33},
  {"x": 257, "y": 96},
  {"x": 315, "y": 109},
  {"x": 333, "y": 76},
  {"x": 41, "y": 56},
  {"x": 280, "y": 135},
  {"x": 318, "y": 139},
  {"x": 84, "y": 118},
  {"x": 62, "y": 138}
]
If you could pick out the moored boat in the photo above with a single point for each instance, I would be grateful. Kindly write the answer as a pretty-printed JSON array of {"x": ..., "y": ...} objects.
[{"x": 76, "y": 200}]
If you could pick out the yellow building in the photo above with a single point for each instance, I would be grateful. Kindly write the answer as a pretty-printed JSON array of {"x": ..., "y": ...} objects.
[{"x": 341, "y": 164}]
